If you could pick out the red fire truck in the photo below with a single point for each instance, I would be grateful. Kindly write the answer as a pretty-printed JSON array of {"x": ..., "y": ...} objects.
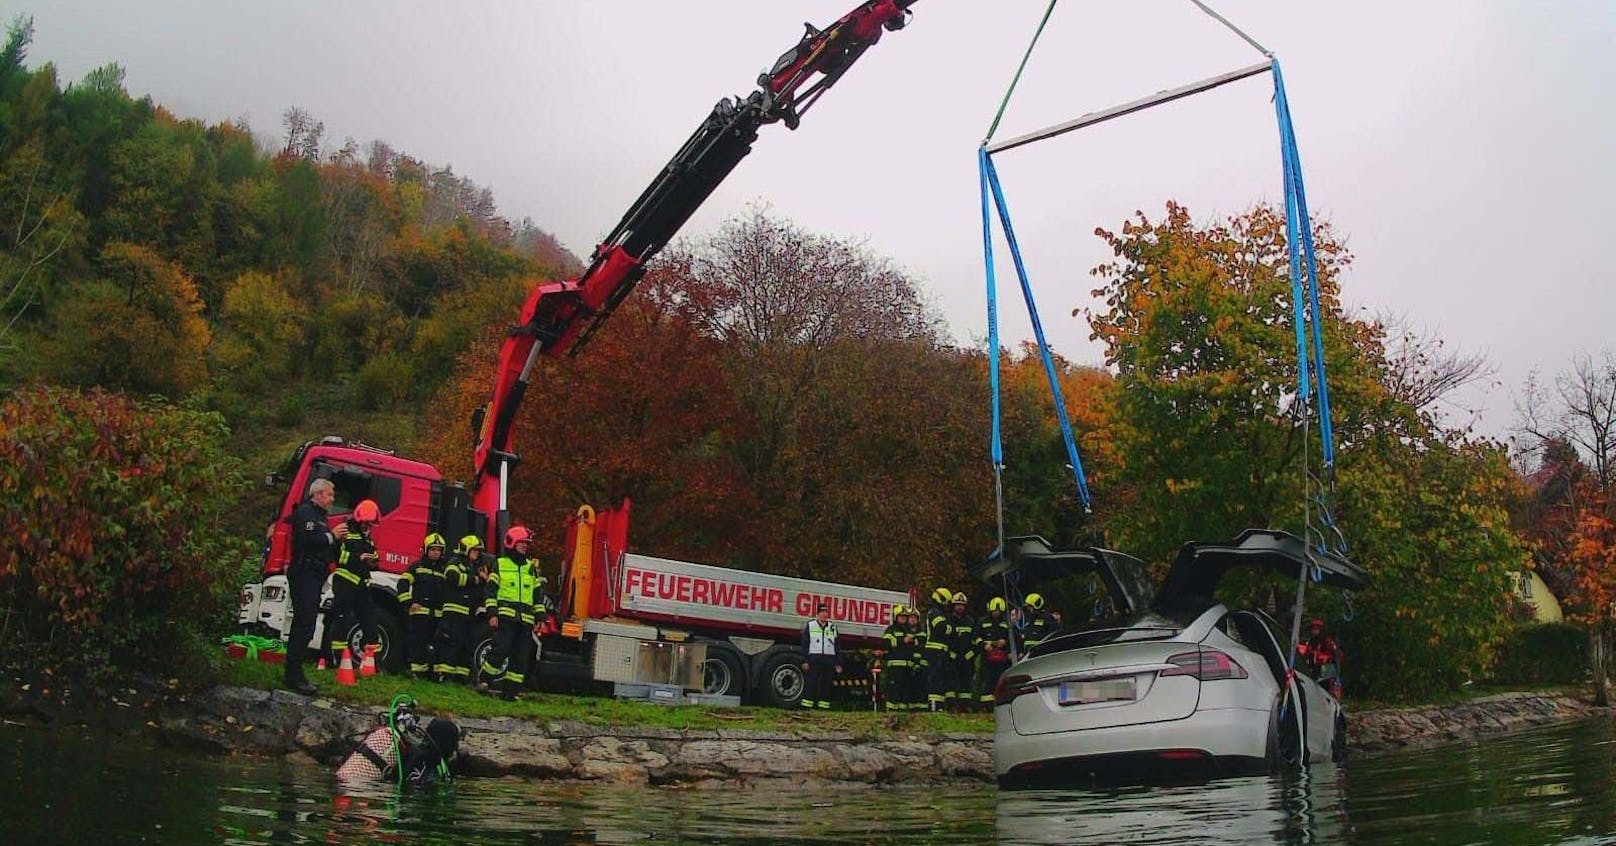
[{"x": 746, "y": 643}]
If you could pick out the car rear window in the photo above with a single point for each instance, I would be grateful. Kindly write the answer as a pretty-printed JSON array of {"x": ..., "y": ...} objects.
[{"x": 1147, "y": 625}]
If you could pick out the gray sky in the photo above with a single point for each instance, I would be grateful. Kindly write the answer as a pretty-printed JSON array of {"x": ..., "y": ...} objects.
[{"x": 1465, "y": 148}]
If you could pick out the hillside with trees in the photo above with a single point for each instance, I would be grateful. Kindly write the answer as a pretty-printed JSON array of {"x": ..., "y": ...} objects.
[{"x": 183, "y": 303}]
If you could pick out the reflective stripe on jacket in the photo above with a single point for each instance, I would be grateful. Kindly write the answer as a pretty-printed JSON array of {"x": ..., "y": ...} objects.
[
  {"x": 515, "y": 584},
  {"x": 817, "y": 640}
]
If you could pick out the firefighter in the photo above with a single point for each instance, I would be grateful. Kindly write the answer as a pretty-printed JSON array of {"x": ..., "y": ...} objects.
[
  {"x": 1036, "y": 624},
  {"x": 313, "y": 549},
  {"x": 462, "y": 589},
  {"x": 1323, "y": 656},
  {"x": 516, "y": 588},
  {"x": 962, "y": 651},
  {"x": 993, "y": 634},
  {"x": 350, "y": 582},
  {"x": 939, "y": 668},
  {"x": 822, "y": 664},
  {"x": 420, "y": 590},
  {"x": 902, "y": 660},
  {"x": 916, "y": 694}
]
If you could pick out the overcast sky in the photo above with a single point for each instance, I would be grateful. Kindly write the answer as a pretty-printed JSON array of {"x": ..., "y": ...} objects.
[{"x": 1464, "y": 148}]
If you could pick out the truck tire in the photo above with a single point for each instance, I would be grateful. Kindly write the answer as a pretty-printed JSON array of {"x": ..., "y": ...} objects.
[
  {"x": 481, "y": 646},
  {"x": 783, "y": 680},
  {"x": 390, "y": 649},
  {"x": 485, "y": 645},
  {"x": 722, "y": 674}
]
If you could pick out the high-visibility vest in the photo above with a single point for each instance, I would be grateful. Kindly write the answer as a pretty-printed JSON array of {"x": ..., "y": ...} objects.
[
  {"x": 821, "y": 639},
  {"x": 518, "y": 585}
]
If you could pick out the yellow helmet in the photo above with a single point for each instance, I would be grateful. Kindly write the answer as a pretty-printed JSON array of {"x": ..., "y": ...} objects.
[
  {"x": 432, "y": 540},
  {"x": 1035, "y": 601},
  {"x": 997, "y": 604},
  {"x": 960, "y": 598},
  {"x": 470, "y": 542},
  {"x": 942, "y": 596},
  {"x": 899, "y": 610}
]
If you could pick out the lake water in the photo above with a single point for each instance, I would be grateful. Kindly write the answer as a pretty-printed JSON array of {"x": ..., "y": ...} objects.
[{"x": 1554, "y": 785}]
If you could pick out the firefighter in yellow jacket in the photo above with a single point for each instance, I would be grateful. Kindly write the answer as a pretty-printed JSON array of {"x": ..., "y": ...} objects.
[{"x": 516, "y": 587}]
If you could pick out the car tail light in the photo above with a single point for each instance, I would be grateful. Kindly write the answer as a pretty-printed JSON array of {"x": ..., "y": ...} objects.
[
  {"x": 1010, "y": 686},
  {"x": 1206, "y": 665}
]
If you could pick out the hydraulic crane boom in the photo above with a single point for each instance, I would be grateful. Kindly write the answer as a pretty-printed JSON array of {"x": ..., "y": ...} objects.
[{"x": 559, "y": 317}]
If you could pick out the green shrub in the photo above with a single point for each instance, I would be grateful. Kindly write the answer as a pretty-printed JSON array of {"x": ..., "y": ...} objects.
[
  {"x": 292, "y": 410},
  {"x": 111, "y": 552},
  {"x": 1550, "y": 653},
  {"x": 384, "y": 382}
]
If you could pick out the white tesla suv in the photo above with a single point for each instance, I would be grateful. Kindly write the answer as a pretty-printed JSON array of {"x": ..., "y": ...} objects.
[{"x": 1181, "y": 686}]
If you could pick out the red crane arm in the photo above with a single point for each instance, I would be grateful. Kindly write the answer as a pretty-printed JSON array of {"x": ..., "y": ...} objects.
[{"x": 559, "y": 317}]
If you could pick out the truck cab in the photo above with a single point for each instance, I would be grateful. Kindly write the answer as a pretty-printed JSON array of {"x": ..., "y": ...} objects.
[{"x": 414, "y": 500}]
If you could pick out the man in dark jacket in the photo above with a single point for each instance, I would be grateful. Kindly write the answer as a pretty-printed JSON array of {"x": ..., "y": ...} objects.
[{"x": 314, "y": 545}]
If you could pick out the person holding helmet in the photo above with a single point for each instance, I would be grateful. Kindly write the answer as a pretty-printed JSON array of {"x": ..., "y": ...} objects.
[
  {"x": 462, "y": 589},
  {"x": 962, "y": 651},
  {"x": 420, "y": 591},
  {"x": 350, "y": 583},
  {"x": 939, "y": 666},
  {"x": 516, "y": 587},
  {"x": 903, "y": 659},
  {"x": 993, "y": 634}
]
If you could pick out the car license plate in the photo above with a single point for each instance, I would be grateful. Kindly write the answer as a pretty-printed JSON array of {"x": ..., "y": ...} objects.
[{"x": 1085, "y": 692}]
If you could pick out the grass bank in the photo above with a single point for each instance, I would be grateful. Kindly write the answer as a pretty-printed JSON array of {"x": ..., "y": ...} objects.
[{"x": 459, "y": 701}]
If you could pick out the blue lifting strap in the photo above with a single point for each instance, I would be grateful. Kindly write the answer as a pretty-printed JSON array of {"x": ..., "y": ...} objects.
[
  {"x": 1312, "y": 375},
  {"x": 991, "y": 187}
]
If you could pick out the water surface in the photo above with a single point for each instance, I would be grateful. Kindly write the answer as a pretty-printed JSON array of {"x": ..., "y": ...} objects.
[{"x": 1546, "y": 786}]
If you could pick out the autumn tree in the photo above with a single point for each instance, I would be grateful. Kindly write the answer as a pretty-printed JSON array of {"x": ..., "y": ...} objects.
[
  {"x": 1579, "y": 409},
  {"x": 1571, "y": 426},
  {"x": 137, "y": 326},
  {"x": 1197, "y": 322}
]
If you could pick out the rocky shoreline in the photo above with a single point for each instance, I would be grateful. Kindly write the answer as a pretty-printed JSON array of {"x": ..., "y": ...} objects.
[
  {"x": 237, "y": 720},
  {"x": 229, "y": 720}
]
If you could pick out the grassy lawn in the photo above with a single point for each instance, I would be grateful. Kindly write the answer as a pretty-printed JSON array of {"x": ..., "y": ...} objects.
[{"x": 460, "y": 701}]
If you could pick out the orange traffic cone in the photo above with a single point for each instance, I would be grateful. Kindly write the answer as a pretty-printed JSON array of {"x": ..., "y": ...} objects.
[
  {"x": 321, "y": 664},
  {"x": 345, "y": 674},
  {"x": 368, "y": 666}
]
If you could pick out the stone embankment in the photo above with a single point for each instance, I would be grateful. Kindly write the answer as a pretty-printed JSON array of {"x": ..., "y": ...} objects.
[
  {"x": 1429, "y": 725},
  {"x": 230, "y": 719}
]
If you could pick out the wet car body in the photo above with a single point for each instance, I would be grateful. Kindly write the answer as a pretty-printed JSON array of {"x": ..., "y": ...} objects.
[{"x": 1179, "y": 685}]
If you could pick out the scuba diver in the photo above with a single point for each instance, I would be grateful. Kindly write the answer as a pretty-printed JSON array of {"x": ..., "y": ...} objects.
[{"x": 402, "y": 750}]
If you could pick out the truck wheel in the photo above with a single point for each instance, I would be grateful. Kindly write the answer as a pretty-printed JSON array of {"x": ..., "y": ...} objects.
[
  {"x": 783, "y": 681},
  {"x": 479, "y": 654},
  {"x": 390, "y": 657},
  {"x": 721, "y": 673}
]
